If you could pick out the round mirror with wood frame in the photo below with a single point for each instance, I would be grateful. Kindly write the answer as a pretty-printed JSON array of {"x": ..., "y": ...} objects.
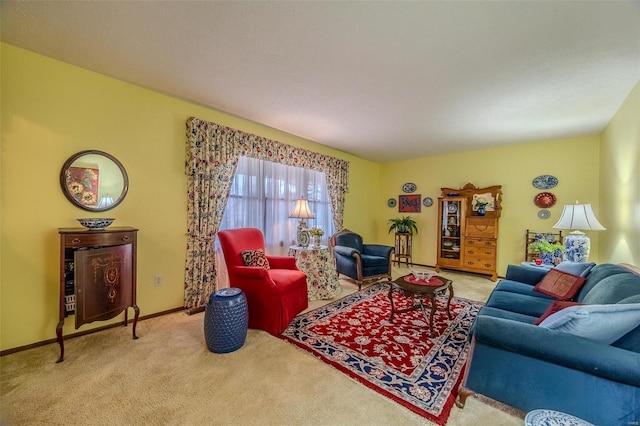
[{"x": 94, "y": 180}]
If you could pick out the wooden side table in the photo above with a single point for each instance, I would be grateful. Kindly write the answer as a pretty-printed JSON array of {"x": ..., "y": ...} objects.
[
  {"x": 418, "y": 291},
  {"x": 318, "y": 264}
]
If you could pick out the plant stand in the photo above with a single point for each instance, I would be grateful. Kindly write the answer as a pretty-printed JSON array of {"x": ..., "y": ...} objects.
[{"x": 403, "y": 248}]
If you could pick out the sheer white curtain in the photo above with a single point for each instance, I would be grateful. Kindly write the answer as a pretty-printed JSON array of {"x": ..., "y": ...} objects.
[{"x": 263, "y": 194}]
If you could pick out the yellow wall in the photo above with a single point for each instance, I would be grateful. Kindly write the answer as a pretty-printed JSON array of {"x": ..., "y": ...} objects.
[
  {"x": 51, "y": 110},
  {"x": 514, "y": 168},
  {"x": 620, "y": 183}
]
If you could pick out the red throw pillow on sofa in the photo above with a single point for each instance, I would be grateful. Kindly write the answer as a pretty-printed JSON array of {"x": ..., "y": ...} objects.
[
  {"x": 560, "y": 285},
  {"x": 556, "y": 306},
  {"x": 255, "y": 258}
]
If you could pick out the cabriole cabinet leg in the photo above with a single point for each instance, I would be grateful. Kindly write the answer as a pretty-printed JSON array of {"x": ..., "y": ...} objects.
[
  {"x": 60, "y": 340},
  {"x": 135, "y": 320}
]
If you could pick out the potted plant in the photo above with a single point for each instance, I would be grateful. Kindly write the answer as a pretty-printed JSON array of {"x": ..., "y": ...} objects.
[
  {"x": 549, "y": 253},
  {"x": 404, "y": 224}
]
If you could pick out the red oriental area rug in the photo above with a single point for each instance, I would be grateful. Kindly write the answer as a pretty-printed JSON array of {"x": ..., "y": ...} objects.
[{"x": 399, "y": 360}]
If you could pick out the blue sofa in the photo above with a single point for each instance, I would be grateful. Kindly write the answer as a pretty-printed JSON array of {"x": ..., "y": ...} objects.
[{"x": 529, "y": 367}]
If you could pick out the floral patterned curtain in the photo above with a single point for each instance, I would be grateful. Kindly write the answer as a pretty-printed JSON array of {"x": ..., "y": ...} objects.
[{"x": 211, "y": 158}]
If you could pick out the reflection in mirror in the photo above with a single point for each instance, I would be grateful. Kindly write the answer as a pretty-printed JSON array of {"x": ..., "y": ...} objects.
[{"x": 94, "y": 180}]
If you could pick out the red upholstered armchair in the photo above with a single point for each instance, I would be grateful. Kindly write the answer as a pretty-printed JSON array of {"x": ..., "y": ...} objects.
[{"x": 275, "y": 295}]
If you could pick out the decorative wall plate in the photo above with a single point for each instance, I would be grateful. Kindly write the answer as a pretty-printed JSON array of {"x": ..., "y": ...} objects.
[
  {"x": 427, "y": 202},
  {"x": 544, "y": 214},
  {"x": 391, "y": 202},
  {"x": 545, "y": 182},
  {"x": 409, "y": 187},
  {"x": 452, "y": 208},
  {"x": 544, "y": 200}
]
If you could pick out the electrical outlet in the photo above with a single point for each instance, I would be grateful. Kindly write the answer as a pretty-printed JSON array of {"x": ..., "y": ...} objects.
[{"x": 157, "y": 280}]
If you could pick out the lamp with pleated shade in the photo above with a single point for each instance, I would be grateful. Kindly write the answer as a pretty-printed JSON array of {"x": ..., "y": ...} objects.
[
  {"x": 302, "y": 211},
  {"x": 579, "y": 217}
]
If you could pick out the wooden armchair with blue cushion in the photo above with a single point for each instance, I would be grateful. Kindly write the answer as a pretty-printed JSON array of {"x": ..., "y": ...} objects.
[{"x": 359, "y": 261}]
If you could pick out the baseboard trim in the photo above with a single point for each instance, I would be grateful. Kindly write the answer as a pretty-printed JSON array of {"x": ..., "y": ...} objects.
[
  {"x": 196, "y": 310},
  {"x": 452, "y": 270},
  {"x": 83, "y": 333}
]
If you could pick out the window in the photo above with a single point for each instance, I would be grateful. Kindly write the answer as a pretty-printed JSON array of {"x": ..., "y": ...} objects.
[{"x": 263, "y": 194}]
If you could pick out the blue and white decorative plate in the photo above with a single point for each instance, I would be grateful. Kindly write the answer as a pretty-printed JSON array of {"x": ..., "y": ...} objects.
[
  {"x": 427, "y": 202},
  {"x": 545, "y": 182},
  {"x": 409, "y": 187},
  {"x": 391, "y": 202},
  {"x": 552, "y": 418},
  {"x": 544, "y": 214},
  {"x": 303, "y": 238}
]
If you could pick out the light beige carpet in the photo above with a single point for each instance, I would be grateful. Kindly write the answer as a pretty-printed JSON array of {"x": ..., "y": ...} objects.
[{"x": 168, "y": 376}]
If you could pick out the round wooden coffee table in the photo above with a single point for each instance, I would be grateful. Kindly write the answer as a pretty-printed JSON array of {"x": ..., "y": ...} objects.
[{"x": 418, "y": 290}]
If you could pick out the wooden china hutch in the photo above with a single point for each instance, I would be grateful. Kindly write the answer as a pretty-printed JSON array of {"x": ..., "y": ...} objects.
[{"x": 468, "y": 240}]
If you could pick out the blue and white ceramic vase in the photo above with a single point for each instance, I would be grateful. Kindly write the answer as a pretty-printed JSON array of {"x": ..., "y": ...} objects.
[
  {"x": 481, "y": 210},
  {"x": 547, "y": 258},
  {"x": 558, "y": 256},
  {"x": 578, "y": 247}
]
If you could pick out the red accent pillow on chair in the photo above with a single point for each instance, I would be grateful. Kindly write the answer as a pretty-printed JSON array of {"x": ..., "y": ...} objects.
[{"x": 255, "y": 258}]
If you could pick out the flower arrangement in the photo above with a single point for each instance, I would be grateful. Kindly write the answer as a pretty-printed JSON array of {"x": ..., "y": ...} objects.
[
  {"x": 481, "y": 202},
  {"x": 316, "y": 232}
]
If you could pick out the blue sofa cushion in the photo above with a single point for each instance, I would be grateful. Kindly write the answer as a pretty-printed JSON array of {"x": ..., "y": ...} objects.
[
  {"x": 520, "y": 288},
  {"x": 368, "y": 260},
  {"x": 575, "y": 268},
  {"x": 559, "y": 348},
  {"x": 597, "y": 274},
  {"x": 600, "y": 323},
  {"x": 525, "y": 275},
  {"x": 500, "y": 313},
  {"x": 613, "y": 289},
  {"x": 519, "y": 303},
  {"x": 630, "y": 341},
  {"x": 377, "y": 250}
]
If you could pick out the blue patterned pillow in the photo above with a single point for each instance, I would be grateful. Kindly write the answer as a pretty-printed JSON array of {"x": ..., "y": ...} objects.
[
  {"x": 600, "y": 323},
  {"x": 575, "y": 268}
]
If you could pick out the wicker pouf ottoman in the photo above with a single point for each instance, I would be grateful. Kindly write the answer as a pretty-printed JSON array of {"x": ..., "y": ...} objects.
[{"x": 226, "y": 319}]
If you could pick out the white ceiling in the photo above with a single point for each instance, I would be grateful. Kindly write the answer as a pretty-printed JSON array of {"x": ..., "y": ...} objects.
[{"x": 384, "y": 80}]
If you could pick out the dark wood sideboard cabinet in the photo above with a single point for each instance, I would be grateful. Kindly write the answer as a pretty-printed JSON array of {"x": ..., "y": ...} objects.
[{"x": 97, "y": 276}]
